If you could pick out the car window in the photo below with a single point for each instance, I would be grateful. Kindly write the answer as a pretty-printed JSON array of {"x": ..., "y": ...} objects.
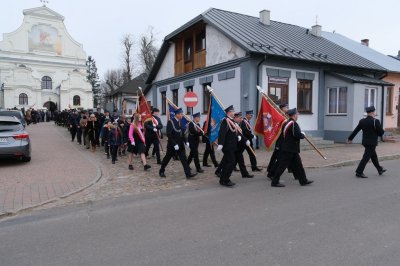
[{"x": 10, "y": 126}]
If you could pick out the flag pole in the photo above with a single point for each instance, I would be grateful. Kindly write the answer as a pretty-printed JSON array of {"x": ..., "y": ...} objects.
[
  {"x": 211, "y": 90},
  {"x": 283, "y": 113},
  {"x": 187, "y": 118}
]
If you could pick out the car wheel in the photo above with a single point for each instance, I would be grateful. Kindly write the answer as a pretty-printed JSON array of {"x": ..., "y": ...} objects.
[{"x": 26, "y": 159}]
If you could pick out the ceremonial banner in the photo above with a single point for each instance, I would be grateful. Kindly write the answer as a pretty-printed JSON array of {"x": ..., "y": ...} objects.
[
  {"x": 269, "y": 123},
  {"x": 171, "y": 114},
  {"x": 215, "y": 116},
  {"x": 143, "y": 108}
]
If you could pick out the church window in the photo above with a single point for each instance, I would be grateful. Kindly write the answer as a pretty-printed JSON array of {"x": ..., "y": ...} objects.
[
  {"x": 47, "y": 83},
  {"x": 23, "y": 99},
  {"x": 77, "y": 100}
]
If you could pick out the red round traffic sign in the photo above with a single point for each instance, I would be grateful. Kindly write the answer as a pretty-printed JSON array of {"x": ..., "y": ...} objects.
[{"x": 190, "y": 99}]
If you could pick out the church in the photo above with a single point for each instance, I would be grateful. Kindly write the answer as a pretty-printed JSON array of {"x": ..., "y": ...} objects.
[{"x": 42, "y": 66}]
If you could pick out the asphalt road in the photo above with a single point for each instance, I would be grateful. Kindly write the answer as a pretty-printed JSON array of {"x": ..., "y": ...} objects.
[{"x": 338, "y": 220}]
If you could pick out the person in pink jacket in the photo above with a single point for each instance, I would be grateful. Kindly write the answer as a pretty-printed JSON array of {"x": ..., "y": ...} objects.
[{"x": 137, "y": 141}]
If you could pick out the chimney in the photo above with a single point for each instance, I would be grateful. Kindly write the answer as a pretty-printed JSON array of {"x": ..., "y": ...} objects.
[
  {"x": 365, "y": 42},
  {"x": 265, "y": 17},
  {"x": 316, "y": 30}
]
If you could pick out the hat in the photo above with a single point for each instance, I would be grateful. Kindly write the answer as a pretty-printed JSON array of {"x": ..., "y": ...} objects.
[
  {"x": 230, "y": 109},
  {"x": 178, "y": 111},
  {"x": 292, "y": 111},
  {"x": 282, "y": 105},
  {"x": 250, "y": 112},
  {"x": 370, "y": 109},
  {"x": 196, "y": 115},
  {"x": 155, "y": 110},
  {"x": 237, "y": 114}
]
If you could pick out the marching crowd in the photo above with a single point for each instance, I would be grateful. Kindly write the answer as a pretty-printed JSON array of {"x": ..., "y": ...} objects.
[{"x": 121, "y": 135}]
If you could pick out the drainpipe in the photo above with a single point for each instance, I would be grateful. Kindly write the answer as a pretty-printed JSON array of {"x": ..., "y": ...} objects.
[
  {"x": 257, "y": 97},
  {"x": 382, "y": 102}
]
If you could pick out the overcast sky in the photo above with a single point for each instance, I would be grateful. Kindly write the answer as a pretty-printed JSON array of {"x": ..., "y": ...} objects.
[{"x": 99, "y": 25}]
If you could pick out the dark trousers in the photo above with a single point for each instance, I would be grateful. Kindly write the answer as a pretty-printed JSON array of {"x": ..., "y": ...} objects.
[
  {"x": 182, "y": 157},
  {"x": 194, "y": 155},
  {"x": 228, "y": 164},
  {"x": 293, "y": 159},
  {"x": 252, "y": 157},
  {"x": 73, "y": 132},
  {"x": 79, "y": 135},
  {"x": 156, "y": 148},
  {"x": 272, "y": 162},
  {"x": 369, "y": 153},
  {"x": 114, "y": 150},
  {"x": 106, "y": 148},
  {"x": 240, "y": 161},
  {"x": 209, "y": 151},
  {"x": 84, "y": 135}
]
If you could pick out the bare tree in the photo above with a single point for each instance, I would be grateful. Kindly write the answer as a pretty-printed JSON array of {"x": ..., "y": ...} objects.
[
  {"x": 113, "y": 79},
  {"x": 148, "y": 51},
  {"x": 127, "y": 43}
]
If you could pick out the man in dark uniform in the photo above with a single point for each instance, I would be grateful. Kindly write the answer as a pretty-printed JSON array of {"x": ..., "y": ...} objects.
[
  {"x": 246, "y": 129},
  {"x": 243, "y": 144},
  {"x": 209, "y": 151},
  {"x": 227, "y": 142},
  {"x": 289, "y": 153},
  {"x": 372, "y": 129},
  {"x": 152, "y": 135},
  {"x": 176, "y": 144},
  {"x": 194, "y": 139},
  {"x": 73, "y": 122},
  {"x": 273, "y": 163}
]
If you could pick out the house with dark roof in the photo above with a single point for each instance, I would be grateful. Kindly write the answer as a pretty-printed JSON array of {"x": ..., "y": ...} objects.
[
  {"x": 233, "y": 53},
  {"x": 125, "y": 98},
  {"x": 391, "y": 94}
]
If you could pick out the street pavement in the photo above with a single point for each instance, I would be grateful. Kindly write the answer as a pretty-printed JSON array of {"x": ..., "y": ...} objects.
[
  {"x": 338, "y": 220},
  {"x": 57, "y": 169}
]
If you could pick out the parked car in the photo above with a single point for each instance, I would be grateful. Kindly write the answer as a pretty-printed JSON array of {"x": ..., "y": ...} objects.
[
  {"x": 14, "y": 140},
  {"x": 17, "y": 113}
]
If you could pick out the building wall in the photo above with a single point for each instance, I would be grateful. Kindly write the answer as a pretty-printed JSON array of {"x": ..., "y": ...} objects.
[
  {"x": 392, "y": 119},
  {"x": 167, "y": 69}
]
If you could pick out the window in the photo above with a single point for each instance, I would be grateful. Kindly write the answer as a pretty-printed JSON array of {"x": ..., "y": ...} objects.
[
  {"x": 175, "y": 97},
  {"x": 389, "y": 100},
  {"x": 188, "y": 50},
  {"x": 163, "y": 102},
  {"x": 76, "y": 100},
  {"x": 370, "y": 97},
  {"x": 278, "y": 90},
  {"x": 47, "y": 83},
  {"x": 206, "y": 98},
  {"x": 304, "y": 96},
  {"x": 201, "y": 41},
  {"x": 337, "y": 99},
  {"x": 23, "y": 99},
  {"x": 189, "y": 110}
]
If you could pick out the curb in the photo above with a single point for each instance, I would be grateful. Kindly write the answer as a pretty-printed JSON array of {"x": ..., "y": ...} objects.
[
  {"x": 353, "y": 162},
  {"x": 99, "y": 175}
]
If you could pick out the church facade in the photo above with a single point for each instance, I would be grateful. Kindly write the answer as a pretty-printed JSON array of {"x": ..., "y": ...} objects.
[{"x": 41, "y": 65}]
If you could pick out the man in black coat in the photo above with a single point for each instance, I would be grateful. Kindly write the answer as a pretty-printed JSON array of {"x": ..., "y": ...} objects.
[
  {"x": 247, "y": 132},
  {"x": 372, "y": 129},
  {"x": 176, "y": 144},
  {"x": 228, "y": 138},
  {"x": 152, "y": 134},
  {"x": 243, "y": 144},
  {"x": 209, "y": 151},
  {"x": 194, "y": 139},
  {"x": 289, "y": 153}
]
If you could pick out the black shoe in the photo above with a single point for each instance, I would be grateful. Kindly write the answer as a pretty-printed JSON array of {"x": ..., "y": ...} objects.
[
  {"x": 218, "y": 174},
  {"x": 206, "y": 165},
  {"x": 227, "y": 184},
  {"x": 277, "y": 185},
  {"x": 147, "y": 167},
  {"x": 190, "y": 176},
  {"x": 307, "y": 183},
  {"x": 113, "y": 162},
  {"x": 200, "y": 170},
  {"x": 248, "y": 176},
  {"x": 256, "y": 169},
  {"x": 235, "y": 169},
  {"x": 162, "y": 174},
  {"x": 382, "y": 171},
  {"x": 130, "y": 167},
  {"x": 361, "y": 175},
  {"x": 158, "y": 162}
]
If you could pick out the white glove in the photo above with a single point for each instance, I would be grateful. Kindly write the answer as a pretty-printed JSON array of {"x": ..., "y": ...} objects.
[
  {"x": 187, "y": 144},
  {"x": 154, "y": 125},
  {"x": 155, "y": 129},
  {"x": 133, "y": 143},
  {"x": 303, "y": 133},
  {"x": 219, "y": 147},
  {"x": 239, "y": 138},
  {"x": 247, "y": 142},
  {"x": 255, "y": 137},
  {"x": 176, "y": 147}
]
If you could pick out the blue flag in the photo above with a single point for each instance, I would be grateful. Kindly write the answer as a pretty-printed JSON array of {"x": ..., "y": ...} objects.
[
  {"x": 217, "y": 114},
  {"x": 171, "y": 109}
]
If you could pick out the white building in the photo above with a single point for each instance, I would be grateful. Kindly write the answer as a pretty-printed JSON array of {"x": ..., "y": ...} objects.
[{"x": 41, "y": 65}]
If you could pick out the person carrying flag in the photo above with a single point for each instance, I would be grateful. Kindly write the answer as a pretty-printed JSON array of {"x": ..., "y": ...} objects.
[
  {"x": 176, "y": 143},
  {"x": 289, "y": 153},
  {"x": 247, "y": 132},
  {"x": 209, "y": 150},
  {"x": 194, "y": 139},
  {"x": 153, "y": 126}
]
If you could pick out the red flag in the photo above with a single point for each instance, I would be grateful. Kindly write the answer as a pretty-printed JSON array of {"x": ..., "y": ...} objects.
[
  {"x": 269, "y": 123},
  {"x": 143, "y": 108}
]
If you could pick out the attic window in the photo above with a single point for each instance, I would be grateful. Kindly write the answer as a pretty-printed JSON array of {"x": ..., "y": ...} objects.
[{"x": 22, "y": 65}]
